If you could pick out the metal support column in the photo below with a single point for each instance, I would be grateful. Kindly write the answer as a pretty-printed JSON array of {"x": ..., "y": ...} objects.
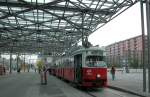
[
  {"x": 3, "y": 62},
  {"x": 82, "y": 30},
  {"x": 24, "y": 63},
  {"x": 148, "y": 38},
  {"x": 143, "y": 46},
  {"x": 10, "y": 64},
  {"x": 17, "y": 61}
]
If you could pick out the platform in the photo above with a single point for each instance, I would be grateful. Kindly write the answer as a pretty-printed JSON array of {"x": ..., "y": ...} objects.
[
  {"x": 130, "y": 82},
  {"x": 28, "y": 85}
]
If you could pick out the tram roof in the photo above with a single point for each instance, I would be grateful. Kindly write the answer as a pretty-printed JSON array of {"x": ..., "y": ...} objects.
[
  {"x": 80, "y": 51},
  {"x": 53, "y": 26}
]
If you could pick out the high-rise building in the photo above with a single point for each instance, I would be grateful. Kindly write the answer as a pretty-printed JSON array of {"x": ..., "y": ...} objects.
[{"x": 126, "y": 52}]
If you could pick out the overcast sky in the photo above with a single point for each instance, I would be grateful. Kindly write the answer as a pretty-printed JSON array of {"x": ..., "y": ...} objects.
[{"x": 125, "y": 26}]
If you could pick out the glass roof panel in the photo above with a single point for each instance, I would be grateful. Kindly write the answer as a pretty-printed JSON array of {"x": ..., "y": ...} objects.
[
  {"x": 39, "y": 1},
  {"x": 55, "y": 19}
]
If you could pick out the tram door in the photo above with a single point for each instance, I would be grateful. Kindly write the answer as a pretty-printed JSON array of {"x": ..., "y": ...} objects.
[{"x": 78, "y": 67}]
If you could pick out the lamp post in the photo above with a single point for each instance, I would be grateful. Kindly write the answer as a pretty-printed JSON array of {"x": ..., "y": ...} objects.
[
  {"x": 148, "y": 38},
  {"x": 143, "y": 46}
]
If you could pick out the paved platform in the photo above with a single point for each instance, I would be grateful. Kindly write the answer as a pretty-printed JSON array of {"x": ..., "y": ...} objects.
[
  {"x": 130, "y": 82},
  {"x": 28, "y": 85}
]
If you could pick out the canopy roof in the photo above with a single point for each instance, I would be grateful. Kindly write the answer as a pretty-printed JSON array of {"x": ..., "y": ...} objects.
[{"x": 53, "y": 26}]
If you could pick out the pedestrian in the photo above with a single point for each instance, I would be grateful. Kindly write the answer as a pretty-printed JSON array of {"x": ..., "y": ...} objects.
[
  {"x": 113, "y": 70},
  {"x": 4, "y": 70},
  {"x": 127, "y": 68},
  {"x": 44, "y": 76},
  {"x": 35, "y": 69},
  {"x": 19, "y": 69}
]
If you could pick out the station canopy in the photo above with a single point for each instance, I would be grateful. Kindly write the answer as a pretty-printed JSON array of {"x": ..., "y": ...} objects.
[{"x": 53, "y": 26}]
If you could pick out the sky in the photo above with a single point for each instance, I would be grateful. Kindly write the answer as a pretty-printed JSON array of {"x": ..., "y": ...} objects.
[{"x": 125, "y": 26}]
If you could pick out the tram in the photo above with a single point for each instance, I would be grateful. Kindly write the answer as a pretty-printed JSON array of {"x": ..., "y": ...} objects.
[{"x": 85, "y": 67}]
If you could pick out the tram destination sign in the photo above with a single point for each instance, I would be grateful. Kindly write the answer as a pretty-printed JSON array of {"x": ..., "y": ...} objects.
[{"x": 96, "y": 52}]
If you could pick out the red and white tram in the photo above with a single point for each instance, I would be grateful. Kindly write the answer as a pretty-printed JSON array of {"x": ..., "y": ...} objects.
[{"x": 85, "y": 67}]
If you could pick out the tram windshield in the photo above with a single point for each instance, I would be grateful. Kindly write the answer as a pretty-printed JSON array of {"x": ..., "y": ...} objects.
[{"x": 95, "y": 61}]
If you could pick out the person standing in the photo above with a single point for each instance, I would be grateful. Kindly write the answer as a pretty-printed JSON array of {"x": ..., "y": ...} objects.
[
  {"x": 113, "y": 70},
  {"x": 44, "y": 76}
]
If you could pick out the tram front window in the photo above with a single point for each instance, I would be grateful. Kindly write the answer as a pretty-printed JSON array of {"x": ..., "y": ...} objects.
[{"x": 95, "y": 61}]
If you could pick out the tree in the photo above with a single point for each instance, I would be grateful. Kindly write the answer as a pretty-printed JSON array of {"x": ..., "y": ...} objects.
[
  {"x": 40, "y": 64},
  {"x": 134, "y": 63}
]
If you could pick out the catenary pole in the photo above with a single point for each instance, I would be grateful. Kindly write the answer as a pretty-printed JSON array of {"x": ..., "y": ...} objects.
[
  {"x": 143, "y": 46},
  {"x": 148, "y": 38}
]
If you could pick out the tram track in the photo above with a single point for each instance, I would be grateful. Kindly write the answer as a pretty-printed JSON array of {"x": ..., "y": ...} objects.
[
  {"x": 105, "y": 92},
  {"x": 92, "y": 95},
  {"x": 110, "y": 91},
  {"x": 126, "y": 91}
]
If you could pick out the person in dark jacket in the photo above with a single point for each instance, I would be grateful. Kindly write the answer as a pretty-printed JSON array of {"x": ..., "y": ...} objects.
[
  {"x": 113, "y": 70},
  {"x": 19, "y": 69}
]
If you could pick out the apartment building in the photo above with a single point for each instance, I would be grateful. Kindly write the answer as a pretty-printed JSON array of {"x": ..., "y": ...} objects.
[{"x": 126, "y": 52}]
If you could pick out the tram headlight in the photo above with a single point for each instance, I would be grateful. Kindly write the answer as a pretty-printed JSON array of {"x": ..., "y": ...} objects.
[{"x": 98, "y": 75}]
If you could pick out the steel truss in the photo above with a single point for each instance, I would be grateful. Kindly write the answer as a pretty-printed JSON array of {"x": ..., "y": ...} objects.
[{"x": 54, "y": 26}]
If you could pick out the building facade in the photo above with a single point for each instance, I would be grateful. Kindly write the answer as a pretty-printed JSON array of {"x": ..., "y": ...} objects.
[{"x": 126, "y": 52}]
